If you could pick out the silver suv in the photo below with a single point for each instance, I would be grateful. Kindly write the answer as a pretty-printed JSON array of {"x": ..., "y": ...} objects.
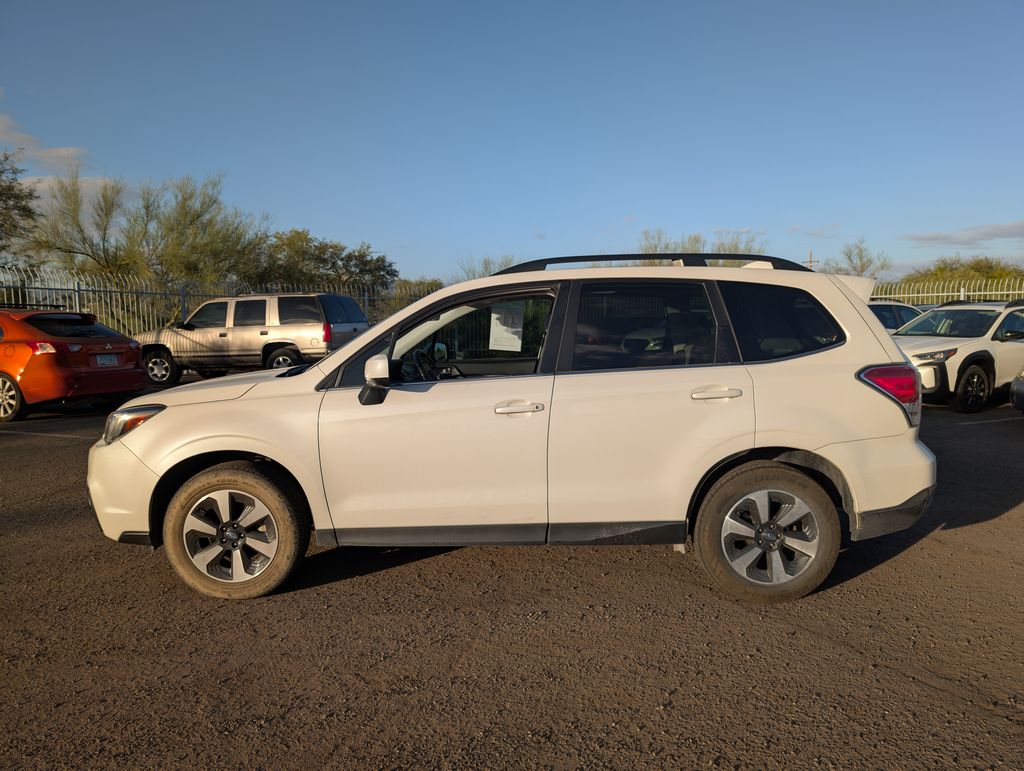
[{"x": 270, "y": 330}]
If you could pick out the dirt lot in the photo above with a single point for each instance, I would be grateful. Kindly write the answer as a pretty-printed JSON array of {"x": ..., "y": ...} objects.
[{"x": 911, "y": 655}]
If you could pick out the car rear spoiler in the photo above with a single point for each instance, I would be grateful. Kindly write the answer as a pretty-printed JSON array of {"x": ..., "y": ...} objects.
[{"x": 862, "y": 286}]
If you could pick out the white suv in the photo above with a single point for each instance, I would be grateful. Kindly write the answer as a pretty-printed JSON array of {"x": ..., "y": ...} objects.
[
  {"x": 965, "y": 350},
  {"x": 765, "y": 412}
]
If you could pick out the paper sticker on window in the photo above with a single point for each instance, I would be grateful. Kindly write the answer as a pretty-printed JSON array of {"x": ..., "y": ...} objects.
[{"x": 507, "y": 326}]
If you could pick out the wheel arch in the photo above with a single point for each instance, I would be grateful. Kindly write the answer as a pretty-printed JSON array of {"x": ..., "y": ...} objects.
[
  {"x": 151, "y": 347},
  {"x": 984, "y": 359},
  {"x": 181, "y": 472},
  {"x": 820, "y": 469},
  {"x": 276, "y": 345}
]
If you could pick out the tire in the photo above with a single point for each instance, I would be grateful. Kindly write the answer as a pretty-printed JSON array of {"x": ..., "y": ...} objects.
[
  {"x": 161, "y": 368},
  {"x": 760, "y": 565},
  {"x": 281, "y": 358},
  {"x": 973, "y": 390},
  {"x": 206, "y": 374},
  {"x": 12, "y": 402},
  {"x": 194, "y": 528}
]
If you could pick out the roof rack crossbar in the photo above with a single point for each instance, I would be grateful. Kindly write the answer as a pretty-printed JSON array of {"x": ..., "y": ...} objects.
[{"x": 689, "y": 260}]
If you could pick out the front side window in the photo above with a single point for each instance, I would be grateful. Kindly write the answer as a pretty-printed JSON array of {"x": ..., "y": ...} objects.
[
  {"x": 624, "y": 325},
  {"x": 492, "y": 337},
  {"x": 1012, "y": 323},
  {"x": 775, "y": 322},
  {"x": 947, "y": 322},
  {"x": 210, "y": 315},
  {"x": 298, "y": 310},
  {"x": 250, "y": 313}
]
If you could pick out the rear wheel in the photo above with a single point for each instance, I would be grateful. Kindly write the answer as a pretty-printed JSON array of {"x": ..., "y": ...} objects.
[
  {"x": 12, "y": 403},
  {"x": 161, "y": 367},
  {"x": 973, "y": 390},
  {"x": 767, "y": 533},
  {"x": 232, "y": 532},
  {"x": 283, "y": 358}
]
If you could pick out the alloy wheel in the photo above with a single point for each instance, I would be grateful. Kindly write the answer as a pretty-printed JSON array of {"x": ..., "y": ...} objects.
[
  {"x": 230, "y": 536},
  {"x": 974, "y": 390},
  {"x": 770, "y": 537},
  {"x": 159, "y": 369},
  {"x": 8, "y": 398},
  {"x": 281, "y": 361}
]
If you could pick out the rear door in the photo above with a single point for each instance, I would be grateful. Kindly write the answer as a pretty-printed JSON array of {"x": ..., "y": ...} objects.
[
  {"x": 301, "y": 323},
  {"x": 648, "y": 396},
  {"x": 248, "y": 332}
]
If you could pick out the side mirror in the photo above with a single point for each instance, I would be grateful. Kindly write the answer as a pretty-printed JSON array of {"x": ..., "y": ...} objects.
[
  {"x": 377, "y": 372},
  {"x": 184, "y": 325},
  {"x": 1012, "y": 334}
]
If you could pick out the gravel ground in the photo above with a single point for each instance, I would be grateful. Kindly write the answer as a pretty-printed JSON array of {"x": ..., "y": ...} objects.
[{"x": 909, "y": 656}]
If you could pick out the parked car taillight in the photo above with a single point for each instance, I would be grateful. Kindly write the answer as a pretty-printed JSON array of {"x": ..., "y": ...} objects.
[
  {"x": 899, "y": 382},
  {"x": 327, "y": 334}
]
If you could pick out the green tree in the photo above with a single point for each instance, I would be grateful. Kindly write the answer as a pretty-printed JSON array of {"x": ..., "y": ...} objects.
[
  {"x": 17, "y": 204},
  {"x": 957, "y": 268},
  {"x": 858, "y": 260}
]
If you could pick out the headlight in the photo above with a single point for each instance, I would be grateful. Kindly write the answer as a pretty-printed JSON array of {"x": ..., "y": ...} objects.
[
  {"x": 937, "y": 356},
  {"x": 122, "y": 421}
]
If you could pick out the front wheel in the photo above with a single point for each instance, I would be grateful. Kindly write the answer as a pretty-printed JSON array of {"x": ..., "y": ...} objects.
[
  {"x": 973, "y": 390},
  {"x": 767, "y": 533},
  {"x": 12, "y": 402},
  {"x": 232, "y": 532},
  {"x": 161, "y": 368}
]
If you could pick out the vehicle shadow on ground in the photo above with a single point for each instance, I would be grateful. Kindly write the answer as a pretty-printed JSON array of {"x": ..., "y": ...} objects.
[
  {"x": 344, "y": 562},
  {"x": 973, "y": 487}
]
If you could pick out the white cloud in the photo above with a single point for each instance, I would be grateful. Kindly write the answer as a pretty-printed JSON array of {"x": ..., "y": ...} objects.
[
  {"x": 48, "y": 158},
  {"x": 971, "y": 237}
]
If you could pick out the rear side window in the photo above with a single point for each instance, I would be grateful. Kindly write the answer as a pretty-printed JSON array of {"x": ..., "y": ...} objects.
[
  {"x": 355, "y": 313},
  {"x": 775, "y": 322},
  {"x": 250, "y": 313},
  {"x": 69, "y": 325},
  {"x": 334, "y": 311},
  {"x": 298, "y": 310},
  {"x": 629, "y": 324}
]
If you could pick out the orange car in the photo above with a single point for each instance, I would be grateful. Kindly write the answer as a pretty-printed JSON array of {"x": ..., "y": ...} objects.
[{"x": 54, "y": 355}]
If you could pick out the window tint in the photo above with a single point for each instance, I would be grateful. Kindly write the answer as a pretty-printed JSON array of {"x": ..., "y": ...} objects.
[
  {"x": 69, "y": 325},
  {"x": 210, "y": 315},
  {"x": 250, "y": 313},
  {"x": 773, "y": 322},
  {"x": 355, "y": 313},
  {"x": 630, "y": 324},
  {"x": 334, "y": 311},
  {"x": 298, "y": 310},
  {"x": 497, "y": 336},
  {"x": 1013, "y": 323},
  {"x": 906, "y": 314},
  {"x": 887, "y": 315},
  {"x": 352, "y": 375},
  {"x": 947, "y": 322}
]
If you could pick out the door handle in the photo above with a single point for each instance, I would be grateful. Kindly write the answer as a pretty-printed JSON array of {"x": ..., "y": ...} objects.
[
  {"x": 263, "y": 332},
  {"x": 223, "y": 334},
  {"x": 716, "y": 392},
  {"x": 506, "y": 408}
]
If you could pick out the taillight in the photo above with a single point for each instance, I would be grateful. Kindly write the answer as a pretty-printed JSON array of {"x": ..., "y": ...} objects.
[
  {"x": 899, "y": 382},
  {"x": 327, "y": 333},
  {"x": 43, "y": 347}
]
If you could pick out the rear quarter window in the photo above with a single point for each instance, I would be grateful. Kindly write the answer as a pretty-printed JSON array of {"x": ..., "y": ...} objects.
[
  {"x": 69, "y": 325},
  {"x": 298, "y": 310},
  {"x": 334, "y": 310},
  {"x": 776, "y": 322}
]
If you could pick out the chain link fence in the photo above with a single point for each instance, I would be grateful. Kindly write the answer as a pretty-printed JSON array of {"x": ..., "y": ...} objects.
[{"x": 133, "y": 305}]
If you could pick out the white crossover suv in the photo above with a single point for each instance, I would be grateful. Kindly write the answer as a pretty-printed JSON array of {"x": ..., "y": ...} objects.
[
  {"x": 762, "y": 411},
  {"x": 965, "y": 350}
]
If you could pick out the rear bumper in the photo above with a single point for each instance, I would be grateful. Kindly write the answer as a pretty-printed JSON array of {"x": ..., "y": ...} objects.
[
  {"x": 68, "y": 383},
  {"x": 871, "y": 524},
  {"x": 120, "y": 488}
]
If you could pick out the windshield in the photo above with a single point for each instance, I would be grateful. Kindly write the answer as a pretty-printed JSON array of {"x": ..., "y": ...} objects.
[{"x": 950, "y": 323}]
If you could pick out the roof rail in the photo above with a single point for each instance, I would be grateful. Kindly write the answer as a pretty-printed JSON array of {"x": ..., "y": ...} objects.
[
  {"x": 982, "y": 301},
  {"x": 1018, "y": 303},
  {"x": 688, "y": 260},
  {"x": 33, "y": 306}
]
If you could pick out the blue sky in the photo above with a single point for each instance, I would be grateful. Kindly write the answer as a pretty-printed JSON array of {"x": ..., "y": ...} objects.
[{"x": 441, "y": 131}]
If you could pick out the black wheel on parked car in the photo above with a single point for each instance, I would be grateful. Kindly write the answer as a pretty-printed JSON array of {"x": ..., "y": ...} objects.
[
  {"x": 161, "y": 367},
  {"x": 767, "y": 533},
  {"x": 973, "y": 390},
  {"x": 235, "y": 532},
  {"x": 283, "y": 358},
  {"x": 12, "y": 403}
]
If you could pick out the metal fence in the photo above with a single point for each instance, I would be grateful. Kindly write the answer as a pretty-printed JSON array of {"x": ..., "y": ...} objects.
[
  {"x": 921, "y": 293},
  {"x": 132, "y": 305}
]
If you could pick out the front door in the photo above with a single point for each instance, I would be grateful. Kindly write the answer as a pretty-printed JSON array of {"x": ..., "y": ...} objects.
[
  {"x": 203, "y": 342},
  {"x": 647, "y": 398},
  {"x": 1009, "y": 349},
  {"x": 457, "y": 451}
]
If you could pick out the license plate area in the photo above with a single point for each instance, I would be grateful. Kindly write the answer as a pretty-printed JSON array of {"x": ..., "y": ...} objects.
[{"x": 106, "y": 360}]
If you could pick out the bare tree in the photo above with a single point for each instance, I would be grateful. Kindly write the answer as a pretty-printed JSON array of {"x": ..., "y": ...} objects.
[
  {"x": 470, "y": 268},
  {"x": 858, "y": 260}
]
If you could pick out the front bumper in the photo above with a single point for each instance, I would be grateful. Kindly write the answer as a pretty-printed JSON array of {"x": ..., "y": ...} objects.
[
  {"x": 871, "y": 524},
  {"x": 120, "y": 489},
  {"x": 934, "y": 381}
]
